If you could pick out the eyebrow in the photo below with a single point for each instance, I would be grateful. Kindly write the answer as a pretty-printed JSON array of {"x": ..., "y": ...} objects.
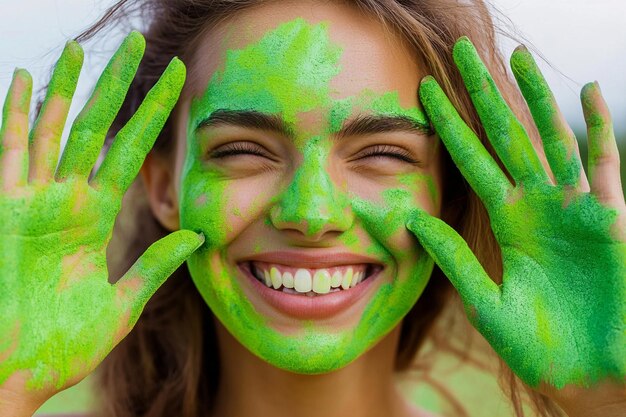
[{"x": 359, "y": 125}]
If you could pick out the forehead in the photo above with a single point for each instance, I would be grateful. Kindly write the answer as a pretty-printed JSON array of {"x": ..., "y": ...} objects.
[{"x": 363, "y": 55}]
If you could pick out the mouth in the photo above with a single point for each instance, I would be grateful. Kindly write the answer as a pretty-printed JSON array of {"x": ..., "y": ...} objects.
[
  {"x": 311, "y": 293},
  {"x": 311, "y": 282}
]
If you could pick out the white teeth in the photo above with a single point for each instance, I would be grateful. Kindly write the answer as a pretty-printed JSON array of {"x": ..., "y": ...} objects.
[
  {"x": 335, "y": 280},
  {"x": 347, "y": 279},
  {"x": 306, "y": 283},
  {"x": 276, "y": 276},
  {"x": 321, "y": 281},
  {"x": 288, "y": 280},
  {"x": 302, "y": 281}
]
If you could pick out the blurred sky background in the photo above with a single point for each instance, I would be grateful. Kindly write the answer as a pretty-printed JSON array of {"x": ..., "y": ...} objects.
[{"x": 581, "y": 40}]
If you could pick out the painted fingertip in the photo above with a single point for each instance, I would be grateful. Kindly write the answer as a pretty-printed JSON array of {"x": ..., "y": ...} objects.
[
  {"x": 429, "y": 88},
  {"x": 597, "y": 86},
  {"x": 521, "y": 49},
  {"x": 201, "y": 238},
  {"x": 522, "y": 60},
  {"x": 593, "y": 104},
  {"x": 134, "y": 43},
  {"x": 22, "y": 73},
  {"x": 73, "y": 54},
  {"x": 429, "y": 93},
  {"x": 135, "y": 36},
  {"x": 463, "y": 38},
  {"x": 591, "y": 98},
  {"x": 467, "y": 59},
  {"x": 74, "y": 49},
  {"x": 462, "y": 47},
  {"x": 590, "y": 90},
  {"x": 428, "y": 79},
  {"x": 177, "y": 65},
  {"x": 416, "y": 220},
  {"x": 174, "y": 75},
  {"x": 23, "y": 78}
]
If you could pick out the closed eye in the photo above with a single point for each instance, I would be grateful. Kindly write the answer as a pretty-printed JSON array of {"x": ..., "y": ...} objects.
[
  {"x": 388, "y": 151},
  {"x": 234, "y": 149}
]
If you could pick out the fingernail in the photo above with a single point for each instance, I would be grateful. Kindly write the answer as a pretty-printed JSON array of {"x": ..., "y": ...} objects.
[
  {"x": 521, "y": 48},
  {"x": 597, "y": 84},
  {"x": 201, "y": 237}
]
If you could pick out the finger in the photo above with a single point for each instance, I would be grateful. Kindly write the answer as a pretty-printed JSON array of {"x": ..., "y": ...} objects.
[
  {"x": 451, "y": 253},
  {"x": 134, "y": 141},
  {"x": 152, "y": 268},
  {"x": 90, "y": 128},
  {"x": 559, "y": 142},
  {"x": 505, "y": 132},
  {"x": 46, "y": 134},
  {"x": 468, "y": 153},
  {"x": 603, "y": 161},
  {"x": 14, "y": 131}
]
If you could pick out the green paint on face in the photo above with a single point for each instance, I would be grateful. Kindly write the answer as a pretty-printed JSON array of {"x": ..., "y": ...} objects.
[
  {"x": 256, "y": 77},
  {"x": 558, "y": 317},
  {"x": 288, "y": 73}
]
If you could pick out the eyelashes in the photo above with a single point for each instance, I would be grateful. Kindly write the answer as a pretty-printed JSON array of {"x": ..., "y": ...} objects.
[
  {"x": 388, "y": 151},
  {"x": 238, "y": 148},
  {"x": 249, "y": 148}
]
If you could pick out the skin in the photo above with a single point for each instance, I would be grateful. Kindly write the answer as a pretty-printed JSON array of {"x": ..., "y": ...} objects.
[
  {"x": 558, "y": 317},
  {"x": 59, "y": 315},
  {"x": 524, "y": 212},
  {"x": 533, "y": 212},
  {"x": 305, "y": 194},
  {"x": 318, "y": 192}
]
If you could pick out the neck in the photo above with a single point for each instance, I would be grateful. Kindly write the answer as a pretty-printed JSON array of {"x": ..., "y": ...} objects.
[{"x": 250, "y": 386}]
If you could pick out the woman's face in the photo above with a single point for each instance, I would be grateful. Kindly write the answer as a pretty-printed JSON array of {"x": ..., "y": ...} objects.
[{"x": 305, "y": 151}]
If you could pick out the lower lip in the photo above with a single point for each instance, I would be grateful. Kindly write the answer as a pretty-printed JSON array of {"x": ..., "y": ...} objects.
[{"x": 305, "y": 307}]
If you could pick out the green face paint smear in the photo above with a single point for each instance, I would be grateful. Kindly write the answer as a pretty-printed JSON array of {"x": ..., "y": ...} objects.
[
  {"x": 558, "y": 317},
  {"x": 287, "y": 73},
  {"x": 59, "y": 315}
]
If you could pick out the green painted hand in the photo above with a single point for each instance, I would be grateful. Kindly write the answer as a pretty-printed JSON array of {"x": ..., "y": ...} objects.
[
  {"x": 558, "y": 318},
  {"x": 59, "y": 315}
]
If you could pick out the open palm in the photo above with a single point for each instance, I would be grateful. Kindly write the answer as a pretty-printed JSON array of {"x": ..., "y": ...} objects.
[
  {"x": 558, "y": 316},
  {"x": 59, "y": 315}
]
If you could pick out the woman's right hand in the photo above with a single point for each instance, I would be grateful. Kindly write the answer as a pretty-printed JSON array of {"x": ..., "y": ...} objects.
[{"x": 59, "y": 315}]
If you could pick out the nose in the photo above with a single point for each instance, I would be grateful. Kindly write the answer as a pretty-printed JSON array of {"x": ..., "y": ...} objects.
[{"x": 312, "y": 204}]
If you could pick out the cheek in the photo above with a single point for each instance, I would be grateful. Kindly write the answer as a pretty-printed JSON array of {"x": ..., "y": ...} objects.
[
  {"x": 385, "y": 208},
  {"x": 220, "y": 208}
]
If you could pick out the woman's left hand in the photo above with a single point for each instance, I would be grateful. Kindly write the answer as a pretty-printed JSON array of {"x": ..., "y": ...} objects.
[{"x": 559, "y": 317}]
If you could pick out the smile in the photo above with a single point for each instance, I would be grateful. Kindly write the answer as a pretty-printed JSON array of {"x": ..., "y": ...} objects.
[
  {"x": 311, "y": 287},
  {"x": 311, "y": 282}
]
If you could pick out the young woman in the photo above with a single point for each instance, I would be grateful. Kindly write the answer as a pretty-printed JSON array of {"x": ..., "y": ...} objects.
[{"x": 314, "y": 192}]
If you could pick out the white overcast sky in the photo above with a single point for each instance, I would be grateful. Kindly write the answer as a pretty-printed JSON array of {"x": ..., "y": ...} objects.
[{"x": 582, "y": 40}]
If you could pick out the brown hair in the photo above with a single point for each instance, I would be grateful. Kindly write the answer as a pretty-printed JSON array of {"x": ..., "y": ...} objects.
[{"x": 168, "y": 365}]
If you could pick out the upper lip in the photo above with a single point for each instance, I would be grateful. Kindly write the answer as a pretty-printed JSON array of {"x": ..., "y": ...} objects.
[{"x": 311, "y": 259}]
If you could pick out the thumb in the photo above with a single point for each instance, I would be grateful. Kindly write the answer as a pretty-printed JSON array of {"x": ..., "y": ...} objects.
[
  {"x": 451, "y": 253},
  {"x": 152, "y": 268}
]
